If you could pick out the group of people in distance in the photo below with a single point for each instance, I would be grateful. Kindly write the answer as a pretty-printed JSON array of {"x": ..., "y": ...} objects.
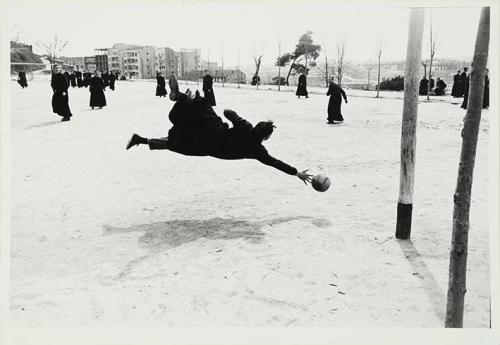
[
  {"x": 461, "y": 88},
  {"x": 424, "y": 86},
  {"x": 97, "y": 83}
]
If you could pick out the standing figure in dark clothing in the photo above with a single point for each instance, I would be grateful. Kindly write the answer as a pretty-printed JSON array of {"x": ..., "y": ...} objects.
[
  {"x": 97, "y": 98},
  {"x": 72, "y": 79},
  {"x": 463, "y": 83},
  {"x": 456, "y": 88},
  {"x": 208, "y": 90},
  {"x": 440, "y": 86},
  {"x": 60, "y": 98},
  {"x": 432, "y": 84},
  {"x": 302, "y": 86},
  {"x": 422, "y": 89},
  {"x": 486, "y": 93},
  {"x": 335, "y": 102},
  {"x": 79, "y": 81},
  {"x": 86, "y": 78},
  {"x": 161, "y": 91},
  {"x": 198, "y": 131},
  {"x": 112, "y": 78},
  {"x": 105, "y": 79},
  {"x": 21, "y": 79},
  {"x": 66, "y": 74}
]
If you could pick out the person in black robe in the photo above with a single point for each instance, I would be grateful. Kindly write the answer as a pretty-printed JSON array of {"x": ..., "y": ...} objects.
[
  {"x": 21, "y": 79},
  {"x": 112, "y": 78},
  {"x": 66, "y": 75},
  {"x": 336, "y": 94},
  {"x": 432, "y": 84},
  {"x": 486, "y": 93},
  {"x": 97, "y": 98},
  {"x": 72, "y": 79},
  {"x": 105, "y": 79},
  {"x": 463, "y": 83},
  {"x": 422, "y": 89},
  {"x": 60, "y": 98},
  {"x": 440, "y": 86},
  {"x": 242, "y": 141},
  {"x": 208, "y": 91},
  {"x": 455, "y": 89},
  {"x": 86, "y": 78},
  {"x": 161, "y": 91},
  {"x": 79, "y": 81},
  {"x": 302, "y": 86}
]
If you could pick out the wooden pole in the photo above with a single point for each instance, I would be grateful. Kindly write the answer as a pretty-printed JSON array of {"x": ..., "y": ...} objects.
[
  {"x": 409, "y": 124},
  {"x": 378, "y": 76},
  {"x": 461, "y": 198}
]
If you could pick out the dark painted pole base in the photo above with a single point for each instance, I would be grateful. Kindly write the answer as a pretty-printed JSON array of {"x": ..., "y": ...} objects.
[{"x": 403, "y": 223}]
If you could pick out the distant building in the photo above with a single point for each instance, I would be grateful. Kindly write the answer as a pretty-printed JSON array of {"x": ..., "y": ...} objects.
[
  {"x": 166, "y": 61},
  {"x": 132, "y": 63},
  {"x": 228, "y": 76},
  {"x": 74, "y": 63},
  {"x": 211, "y": 67},
  {"x": 188, "y": 61},
  {"x": 89, "y": 63},
  {"x": 147, "y": 62},
  {"x": 101, "y": 59}
]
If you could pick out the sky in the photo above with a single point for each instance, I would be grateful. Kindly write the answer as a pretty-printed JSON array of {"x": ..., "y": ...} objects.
[{"x": 240, "y": 31}]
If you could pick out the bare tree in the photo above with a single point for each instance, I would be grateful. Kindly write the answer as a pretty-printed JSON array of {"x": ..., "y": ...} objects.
[
  {"x": 425, "y": 63},
  {"x": 432, "y": 49},
  {"x": 462, "y": 196},
  {"x": 380, "y": 46},
  {"x": 52, "y": 49},
  {"x": 369, "y": 69},
  {"x": 342, "y": 65}
]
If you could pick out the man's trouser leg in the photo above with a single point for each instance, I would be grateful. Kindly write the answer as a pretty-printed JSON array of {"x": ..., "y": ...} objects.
[{"x": 159, "y": 144}]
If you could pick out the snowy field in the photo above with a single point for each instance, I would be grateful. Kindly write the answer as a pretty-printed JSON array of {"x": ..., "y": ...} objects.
[{"x": 101, "y": 236}]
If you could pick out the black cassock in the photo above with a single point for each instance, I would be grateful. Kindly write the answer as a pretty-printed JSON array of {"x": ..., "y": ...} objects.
[
  {"x": 334, "y": 104},
  {"x": 160, "y": 86},
  {"x": 440, "y": 86},
  {"x": 455, "y": 89},
  {"x": 79, "y": 81},
  {"x": 208, "y": 90},
  {"x": 466, "y": 91},
  {"x": 86, "y": 78},
  {"x": 105, "y": 79},
  {"x": 112, "y": 79},
  {"x": 302, "y": 86},
  {"x": 60, "y": 104},
  {"x": 97, "y": 98},
  {"x": 21, "y": 79},
  {"x": 486, "y": 94},
  {"x": 422, "y": 90},
  {"x": 72, "y": 79},
  {"x": 463, "y": 83}
]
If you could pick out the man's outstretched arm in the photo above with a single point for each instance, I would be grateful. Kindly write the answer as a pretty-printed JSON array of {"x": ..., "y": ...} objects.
[{"x": 267, "y": 159}]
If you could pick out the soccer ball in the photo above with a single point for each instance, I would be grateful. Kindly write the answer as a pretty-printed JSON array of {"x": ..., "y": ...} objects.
[{"x": 321, "y": 183}]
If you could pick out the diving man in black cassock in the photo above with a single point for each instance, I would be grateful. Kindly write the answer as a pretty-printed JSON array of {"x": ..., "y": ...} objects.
[
  {"x": 198, "y": 131},
  {"x": 21, "y": 79},
  {"x": 60, "y": 98},
  {"x": 335, "y": 102},
  {"x": 208, "y": 90},
  {"x": 456, "y": 88},
  {"x": 161, "y": 91},
  {"x": 97, "y": 98},
  {"x": 302, "y": 86}
]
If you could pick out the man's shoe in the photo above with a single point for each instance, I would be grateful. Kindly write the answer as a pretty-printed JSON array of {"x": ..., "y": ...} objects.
[
  {"x": 135, "y": 140},
  {"x": 65, "y": 119}
]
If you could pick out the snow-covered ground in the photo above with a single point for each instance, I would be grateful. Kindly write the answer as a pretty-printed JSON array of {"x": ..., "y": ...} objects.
[{"x": 101, "y": 236}]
